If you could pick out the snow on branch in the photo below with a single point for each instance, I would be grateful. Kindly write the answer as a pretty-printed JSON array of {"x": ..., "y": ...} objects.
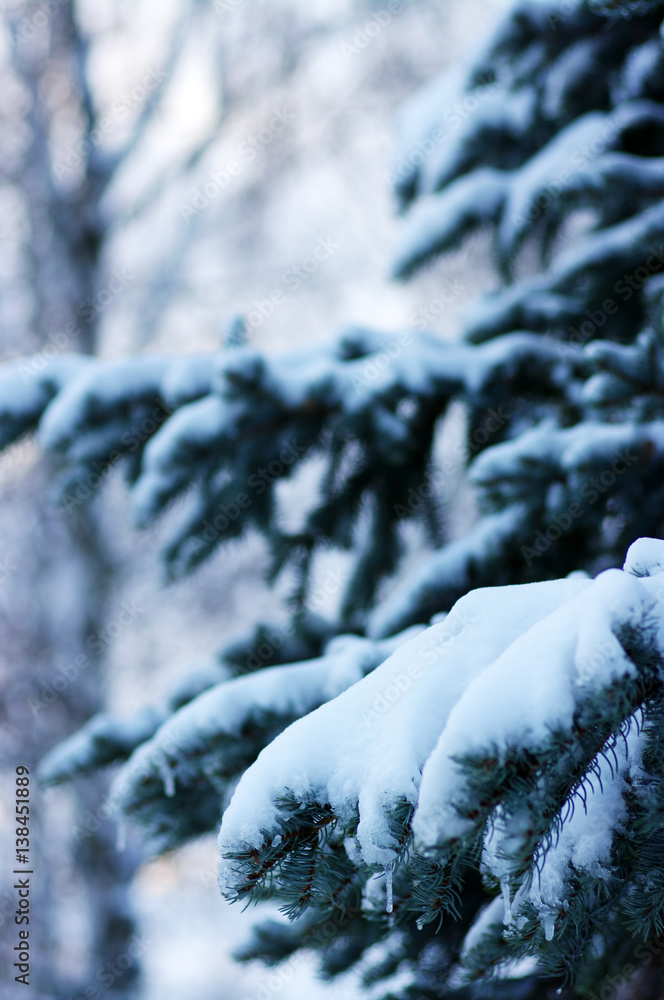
[
  {"x": 446, "y": 575},
  {"x": 101, "y": 741},
  {"x": 517, "y": 720},
  {"x": 208, "y": 426},
  {"x": 28, "y": 385},
  {"x": 373, "y": 741},
  {"x": 194, "y": 758},
  {"x": 576, "y": 168},
  {"x": 440, "y": 222},
  {"x": 544, "y": 489},
  {"x": 580, "y": 278}
]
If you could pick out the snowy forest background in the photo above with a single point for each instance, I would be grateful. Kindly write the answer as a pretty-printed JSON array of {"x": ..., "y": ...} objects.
[{"x": 183, "y": 90}]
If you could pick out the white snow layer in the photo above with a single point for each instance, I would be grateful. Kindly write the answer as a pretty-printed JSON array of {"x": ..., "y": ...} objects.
[
  {"x": 585, "y": 839},
  {"x": 511, "y": 198},
  {"x": 505, "y": 665},
  {"x": 366, "y": 749},
  {"x": 210, "y": 429},
  {"x": 28, "y": 384},
  {"x": 223, "y": 711},
  {"x": 97, "y": 395},
  {"x": 490, "y": 917},
  {"x": 582, "y": 846}
]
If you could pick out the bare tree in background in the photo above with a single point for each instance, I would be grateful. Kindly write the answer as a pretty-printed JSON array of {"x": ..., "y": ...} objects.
[{"x": 56, "y": 171}]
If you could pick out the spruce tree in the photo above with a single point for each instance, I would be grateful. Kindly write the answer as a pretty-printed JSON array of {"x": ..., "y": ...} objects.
[{"x": 482, "y": 798}]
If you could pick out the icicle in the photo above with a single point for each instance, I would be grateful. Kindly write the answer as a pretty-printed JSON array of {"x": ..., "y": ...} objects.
[
  {"x": 505, "y": 886},
  {"x": 121, "y": 834},
  {"x": 419, "y": 923},
  {"x": 168, "y": 778},
  {"x": 549, "y": 925},
  {"x": 389, "y": 903}
]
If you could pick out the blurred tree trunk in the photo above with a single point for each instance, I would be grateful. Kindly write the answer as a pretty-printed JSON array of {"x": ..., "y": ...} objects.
[{"x": 67, "y": 576}]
